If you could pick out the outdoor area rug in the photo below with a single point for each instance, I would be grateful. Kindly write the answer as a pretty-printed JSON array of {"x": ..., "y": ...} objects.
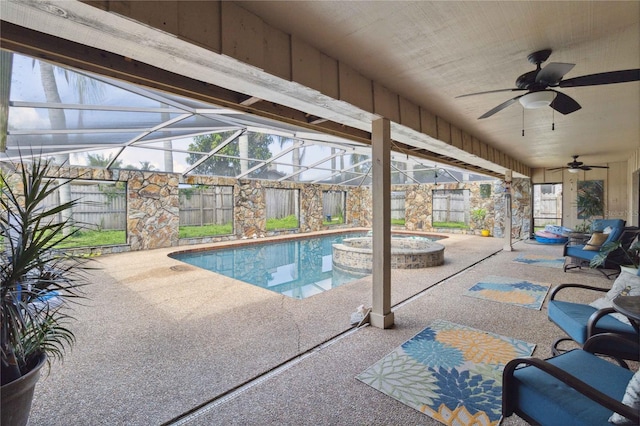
[
  {"x": 451, "y": 372},
  {"x": 540, "y": 260},
  {"x": 510, "y": 290}
]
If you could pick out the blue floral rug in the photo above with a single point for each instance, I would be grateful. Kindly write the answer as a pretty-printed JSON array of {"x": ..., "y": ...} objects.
[
  {"x": 510, "y": 290},
  {"x": 540, "y": 260},
  {"x": 450, "y": 372}
]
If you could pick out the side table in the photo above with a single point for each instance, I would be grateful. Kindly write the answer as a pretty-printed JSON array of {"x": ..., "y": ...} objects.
[{"x": 629, "y": 306}]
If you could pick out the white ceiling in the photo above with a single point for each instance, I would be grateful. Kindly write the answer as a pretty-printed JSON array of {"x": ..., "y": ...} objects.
[{"x": 431, "y": 52}]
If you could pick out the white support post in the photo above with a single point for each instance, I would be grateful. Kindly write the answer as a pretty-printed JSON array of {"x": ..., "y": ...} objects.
[{"x": 381, "y": 315}]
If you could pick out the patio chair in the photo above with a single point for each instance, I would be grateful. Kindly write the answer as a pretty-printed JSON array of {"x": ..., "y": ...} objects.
[
  {"x": 603, "y": 231},
  {"x": 581, "y": 321},
  {"x": 576, "y": 388}
]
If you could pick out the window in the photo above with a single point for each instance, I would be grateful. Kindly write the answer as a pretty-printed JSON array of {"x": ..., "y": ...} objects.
[
  {"x": 206, "y": 211},
  {"x": 283, "y": 210},
  {"x": 100, "y": 214},
  {"x": 450, "y": 208},
  {"x": 397, "y": 208},
  {"x": 333, "y": 207},
  {"x": 547, "y": 205}
]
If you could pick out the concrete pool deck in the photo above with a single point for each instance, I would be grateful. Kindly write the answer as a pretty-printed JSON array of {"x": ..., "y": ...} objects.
[{"x": 157, "y": 339}]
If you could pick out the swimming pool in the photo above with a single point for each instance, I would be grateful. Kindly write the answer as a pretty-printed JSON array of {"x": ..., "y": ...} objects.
[{"x": 296, "y": 268}]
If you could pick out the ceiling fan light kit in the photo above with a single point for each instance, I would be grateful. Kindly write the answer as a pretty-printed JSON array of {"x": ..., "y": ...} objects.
[
  {"x": 573, "y": 170},
  {"x": 536, "y": 100},
  {"x": 541, "y": 83}
]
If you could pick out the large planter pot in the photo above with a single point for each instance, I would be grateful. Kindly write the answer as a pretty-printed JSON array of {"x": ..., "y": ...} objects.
[{"x": 16, "y": 396}]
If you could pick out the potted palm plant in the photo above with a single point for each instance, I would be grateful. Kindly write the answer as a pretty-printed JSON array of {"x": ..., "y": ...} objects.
[
  {"x": 38, "y": 280},
  {"x": 628, "y": 257}
]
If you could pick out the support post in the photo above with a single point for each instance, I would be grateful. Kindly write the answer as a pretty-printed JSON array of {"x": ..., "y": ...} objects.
[{"x": 381, "y": 315}]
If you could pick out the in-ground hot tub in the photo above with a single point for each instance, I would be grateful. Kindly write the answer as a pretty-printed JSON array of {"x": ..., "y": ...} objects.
[{"x": 355, "y": 255}]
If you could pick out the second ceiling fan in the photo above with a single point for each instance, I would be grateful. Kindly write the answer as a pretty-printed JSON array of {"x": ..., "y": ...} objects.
[
  {"x": 575, "y": 166},
  {"x": 539, "y": 83}
]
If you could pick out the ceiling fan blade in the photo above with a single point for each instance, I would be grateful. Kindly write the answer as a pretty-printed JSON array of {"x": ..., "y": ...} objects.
[
  {"x": 557, "y": 168},
  {"x": 499, "y": 107},
  {"x": 598, "y": 167},
  {"x": 564, "y": 104},
  {"x": 515, "y": 89},
  {"x": 611, "y": 77},
  {"x": 553, "y": 73},
  {"x": 584, "y": 168}
]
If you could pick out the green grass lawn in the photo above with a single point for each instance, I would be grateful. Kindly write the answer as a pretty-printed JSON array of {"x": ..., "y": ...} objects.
[
  {"x": 397, "y": 222},
  {"x": 205, "y": 230},
  {"x": 334, "y": 221},
  {"x": 288, "y": 222},
  {"x": 95, "y": 239},
  {"x": 459, "y": 225}
]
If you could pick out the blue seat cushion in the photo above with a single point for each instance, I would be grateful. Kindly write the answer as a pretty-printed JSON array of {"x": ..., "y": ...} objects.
[
  {"x": 549, "y": 401},
  {"x": 599, "y": 224},
  {"x": 572, "y": 318},
  {"x": 614, "y": 235},
  {"x": 617, "y": 226},
  {"x": 580, "y": 253}
]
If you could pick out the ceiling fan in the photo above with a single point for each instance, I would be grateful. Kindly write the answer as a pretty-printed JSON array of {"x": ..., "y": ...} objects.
[
  {"x": 575, "y": 166},
  {"x": 539, "y": 83}
]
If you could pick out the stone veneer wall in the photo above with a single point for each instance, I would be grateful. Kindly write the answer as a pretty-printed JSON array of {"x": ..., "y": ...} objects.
[
  {"x": 250, "y": 205},
  {"x": 153, "y": 206},
  {"x": 153, "y": 210},
  {"x": 521, "y": 208},
  {"x": 419, "y": 206}
]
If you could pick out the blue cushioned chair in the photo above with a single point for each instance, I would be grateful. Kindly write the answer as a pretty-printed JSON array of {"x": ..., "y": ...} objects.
[
  {"x": 581, "y": 321},
  {"x": 580, "y": 257},
  {"x": 575, "y": 388}
]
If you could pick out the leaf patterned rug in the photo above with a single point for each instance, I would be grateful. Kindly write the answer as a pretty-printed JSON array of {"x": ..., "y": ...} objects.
[
  {"x": 540, "y": 260},
  {"x": 450, "y": 372},
  {"x": 510, "y": 290}
]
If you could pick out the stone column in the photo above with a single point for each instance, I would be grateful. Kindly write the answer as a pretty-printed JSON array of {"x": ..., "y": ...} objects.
[
  {"x": 508, "y": 214},
  {"x": 381, "y": 315}
]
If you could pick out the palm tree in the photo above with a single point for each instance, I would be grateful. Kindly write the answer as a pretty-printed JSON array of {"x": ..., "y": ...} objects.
[
  {"x": 6, "y": 66},
  {"x": 99, "y": 160},
  {"x": 243, "y": 152},
  {"x": 297, "y": 154},
  {"x": 147, "y": 165},
  {"x": 86, "y": 88},
  {"x": 167, "y": 145}
]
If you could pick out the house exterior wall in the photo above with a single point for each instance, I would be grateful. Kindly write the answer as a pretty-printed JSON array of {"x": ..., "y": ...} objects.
[{"x": 621, "y": 200}]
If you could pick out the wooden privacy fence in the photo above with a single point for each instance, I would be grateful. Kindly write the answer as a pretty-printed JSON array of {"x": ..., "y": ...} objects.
[
  {"x": 333, "y": 203},
  {"x": 549, "y": 206},
  {"x": 397, "y": 205},
  {"x": 547, "y": 210},
  {"x": 281, "y": 202},
  {"x": 100, "y": 206},
  {"x": 450, "y": 206},
  {"x": 206, "y": 206}
]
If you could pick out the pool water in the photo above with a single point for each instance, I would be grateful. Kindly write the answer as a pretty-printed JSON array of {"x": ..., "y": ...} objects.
[{"x": 296, "y": 268}]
